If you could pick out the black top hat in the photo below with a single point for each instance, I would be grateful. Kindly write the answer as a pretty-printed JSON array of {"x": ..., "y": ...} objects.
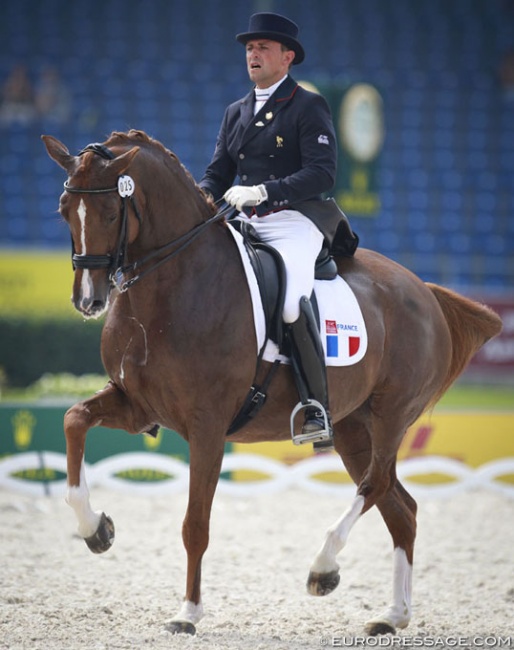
[{"x": 274, "y": 28}]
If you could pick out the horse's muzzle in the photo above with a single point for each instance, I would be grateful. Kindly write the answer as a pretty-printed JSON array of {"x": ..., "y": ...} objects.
[
  {"x": 91, "y": 291},
  {"x": 91, "y": 308}
]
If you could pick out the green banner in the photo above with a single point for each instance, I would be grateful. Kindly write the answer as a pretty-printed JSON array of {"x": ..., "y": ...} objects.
[
  {"x": 360, "y": 129},
  {"x": 27, "y": 427},
  {"x": 357, "y": 111}
]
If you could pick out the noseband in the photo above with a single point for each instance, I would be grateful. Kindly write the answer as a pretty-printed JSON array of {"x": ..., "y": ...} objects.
[{"x": 125, "y": 188}]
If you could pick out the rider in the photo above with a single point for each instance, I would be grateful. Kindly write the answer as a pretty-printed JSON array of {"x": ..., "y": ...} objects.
[{"x": 280, "y": 142}]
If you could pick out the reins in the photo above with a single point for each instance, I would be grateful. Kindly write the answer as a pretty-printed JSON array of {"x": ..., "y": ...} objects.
[
  {"x": 125, "y": 189},
  {"x": 182, "y": 242}
]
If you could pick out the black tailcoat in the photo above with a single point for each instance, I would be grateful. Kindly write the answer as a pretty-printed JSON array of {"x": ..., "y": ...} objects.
[{"x": 289, "y": 146}]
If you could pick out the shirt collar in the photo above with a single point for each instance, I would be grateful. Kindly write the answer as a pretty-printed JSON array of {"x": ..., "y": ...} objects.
[{"x": 267, "y": 92}]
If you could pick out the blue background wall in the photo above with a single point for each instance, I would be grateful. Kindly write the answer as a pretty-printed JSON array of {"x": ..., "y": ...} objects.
[{"x": 169, "y": 67}]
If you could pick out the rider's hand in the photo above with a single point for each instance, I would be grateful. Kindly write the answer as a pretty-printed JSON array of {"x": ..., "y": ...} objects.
[{"x": 243, "y": 195}]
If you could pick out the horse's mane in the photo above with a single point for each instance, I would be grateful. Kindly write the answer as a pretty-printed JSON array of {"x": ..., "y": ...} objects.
[{"x": 141, "y": 139}]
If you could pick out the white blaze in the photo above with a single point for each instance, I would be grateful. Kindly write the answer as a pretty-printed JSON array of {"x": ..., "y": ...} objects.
[
  {"x": 82, "y": 216},
  {"x": 86, "y": 286}
]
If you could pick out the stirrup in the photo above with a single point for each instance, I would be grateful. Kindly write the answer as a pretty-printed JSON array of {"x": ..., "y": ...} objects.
[{"x": 317, "y": 436}]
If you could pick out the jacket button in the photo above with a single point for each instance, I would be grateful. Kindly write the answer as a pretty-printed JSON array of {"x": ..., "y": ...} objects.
[
  {"x": 272, "y": 177},
  {"x": 241, "y": 156},
  {"x": 244, "y": 177}
]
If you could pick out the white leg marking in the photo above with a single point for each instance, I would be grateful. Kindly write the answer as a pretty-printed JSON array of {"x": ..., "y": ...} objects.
[
  {"x": 399, "y": 613},
  {"x": 189, "y": 612},
  {"x": 78, "y": 498},
  {"x": 325, "y": 560}
]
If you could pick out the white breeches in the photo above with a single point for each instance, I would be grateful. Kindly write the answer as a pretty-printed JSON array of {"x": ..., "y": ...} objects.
[{"x": 299, "y": 242}]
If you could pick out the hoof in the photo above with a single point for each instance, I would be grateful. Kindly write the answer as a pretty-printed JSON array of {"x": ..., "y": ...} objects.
[
  {"x": 103, "y": 539},
  {"x": 321, "y": 584},
  {"x": 374, "y": 628},
  {"x": 180, "y": 627}
]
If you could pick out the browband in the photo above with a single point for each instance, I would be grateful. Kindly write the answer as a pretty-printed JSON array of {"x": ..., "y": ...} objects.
[{"x": 100, "y": 149}]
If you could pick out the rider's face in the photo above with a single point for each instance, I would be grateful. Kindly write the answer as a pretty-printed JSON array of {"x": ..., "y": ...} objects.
[{"x": 267, "y": 62}]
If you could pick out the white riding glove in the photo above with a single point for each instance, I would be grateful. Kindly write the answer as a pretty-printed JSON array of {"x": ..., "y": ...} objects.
[{"x": 245, "y": 195}]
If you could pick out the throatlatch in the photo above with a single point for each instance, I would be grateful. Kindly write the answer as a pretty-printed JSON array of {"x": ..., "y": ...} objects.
[{"x": 308, "y": 363}]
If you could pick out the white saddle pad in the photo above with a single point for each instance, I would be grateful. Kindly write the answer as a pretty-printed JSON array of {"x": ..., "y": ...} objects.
[{"x": 343, "y": 331}]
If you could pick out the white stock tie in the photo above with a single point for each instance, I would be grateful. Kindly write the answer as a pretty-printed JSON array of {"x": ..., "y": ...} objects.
[{"x": 261, "y": 97}]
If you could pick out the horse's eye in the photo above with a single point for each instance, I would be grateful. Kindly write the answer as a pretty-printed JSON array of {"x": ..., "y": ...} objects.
[{"x": 111, "y": 218}]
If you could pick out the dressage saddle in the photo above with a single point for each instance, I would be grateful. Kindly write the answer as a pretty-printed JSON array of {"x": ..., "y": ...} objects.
[{"x": 271, "y": 278}]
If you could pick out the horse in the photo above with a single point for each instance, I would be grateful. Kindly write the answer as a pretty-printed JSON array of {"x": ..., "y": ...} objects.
[{"x": 152, "y": 255}]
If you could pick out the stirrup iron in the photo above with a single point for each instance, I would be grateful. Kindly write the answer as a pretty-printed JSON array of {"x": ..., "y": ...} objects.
[{"x": 316, "y": 436}]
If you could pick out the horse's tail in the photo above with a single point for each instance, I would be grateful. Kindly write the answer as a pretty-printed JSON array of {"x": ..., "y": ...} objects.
[{"x": 471, "y": 324}]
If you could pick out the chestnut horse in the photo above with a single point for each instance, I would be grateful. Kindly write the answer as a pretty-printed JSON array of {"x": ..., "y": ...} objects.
[{"x": 180, "y": 349}]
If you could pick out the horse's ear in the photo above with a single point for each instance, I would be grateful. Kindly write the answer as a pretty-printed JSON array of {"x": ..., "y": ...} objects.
[
  {"x": 58, "y": 152},
  {"x": 121, "y": 163}
]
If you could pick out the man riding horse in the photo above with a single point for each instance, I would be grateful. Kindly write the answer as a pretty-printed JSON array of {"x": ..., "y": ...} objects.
[{"x": 279, "y": 140}]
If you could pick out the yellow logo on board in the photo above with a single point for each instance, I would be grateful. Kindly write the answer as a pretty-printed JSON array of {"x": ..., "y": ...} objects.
[
  {"x": 152, "y": 443},
  {"x": 23, "y": 423}
]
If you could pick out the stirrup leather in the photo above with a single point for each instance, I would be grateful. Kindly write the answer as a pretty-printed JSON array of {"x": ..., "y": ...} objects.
[{"x": 323, "y": 435}]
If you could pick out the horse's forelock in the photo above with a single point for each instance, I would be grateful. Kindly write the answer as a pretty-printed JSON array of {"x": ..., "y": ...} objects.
[{"x": 86, "y": 168}]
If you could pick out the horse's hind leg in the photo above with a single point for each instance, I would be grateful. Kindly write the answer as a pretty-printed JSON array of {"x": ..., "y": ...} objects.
[
  {"x": 108, "y": 408},
  {"x": 377, "y": 485},
  {"x": 324, "y": 573},
  {"x": 398, "y": 509}
]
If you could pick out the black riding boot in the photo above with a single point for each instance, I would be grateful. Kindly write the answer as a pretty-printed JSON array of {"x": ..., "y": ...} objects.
[{"x": 308, "y": 361}]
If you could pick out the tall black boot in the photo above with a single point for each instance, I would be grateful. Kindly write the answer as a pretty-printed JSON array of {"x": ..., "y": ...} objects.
[{"x": 308, "y": 362}]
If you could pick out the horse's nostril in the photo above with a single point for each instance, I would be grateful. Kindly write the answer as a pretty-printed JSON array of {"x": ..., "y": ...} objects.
[{"x": 91, "y": 307}]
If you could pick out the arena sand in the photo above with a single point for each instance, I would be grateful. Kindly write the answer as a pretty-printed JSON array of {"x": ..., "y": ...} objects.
[{"x": 56, "y": 595}]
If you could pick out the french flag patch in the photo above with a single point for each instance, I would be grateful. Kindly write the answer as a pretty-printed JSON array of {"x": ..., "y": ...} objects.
[
  {"x": 332, "y": 339},
  {"x": 350, "y": 343}
]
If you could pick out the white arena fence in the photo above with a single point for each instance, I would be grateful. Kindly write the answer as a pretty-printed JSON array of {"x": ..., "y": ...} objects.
[{"x": 276, "y": 476}]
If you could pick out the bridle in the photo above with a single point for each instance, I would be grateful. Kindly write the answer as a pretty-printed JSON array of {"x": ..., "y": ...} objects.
[{"x": 115, "y": 263}]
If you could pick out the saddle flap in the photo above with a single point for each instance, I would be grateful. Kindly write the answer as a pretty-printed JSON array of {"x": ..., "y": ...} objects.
[{"x": 270, "y": 273}]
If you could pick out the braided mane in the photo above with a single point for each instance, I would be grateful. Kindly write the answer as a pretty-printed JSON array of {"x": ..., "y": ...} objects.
[{"x": 141, "y": 139}]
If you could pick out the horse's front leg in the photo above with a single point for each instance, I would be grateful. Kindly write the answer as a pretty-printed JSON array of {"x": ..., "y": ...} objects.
[
  {"x": 109, "y": 408},
  {"x": 206, "y": 455}
]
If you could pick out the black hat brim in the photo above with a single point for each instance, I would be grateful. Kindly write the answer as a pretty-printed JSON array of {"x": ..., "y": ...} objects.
[{"x": 289, "y": 42}]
